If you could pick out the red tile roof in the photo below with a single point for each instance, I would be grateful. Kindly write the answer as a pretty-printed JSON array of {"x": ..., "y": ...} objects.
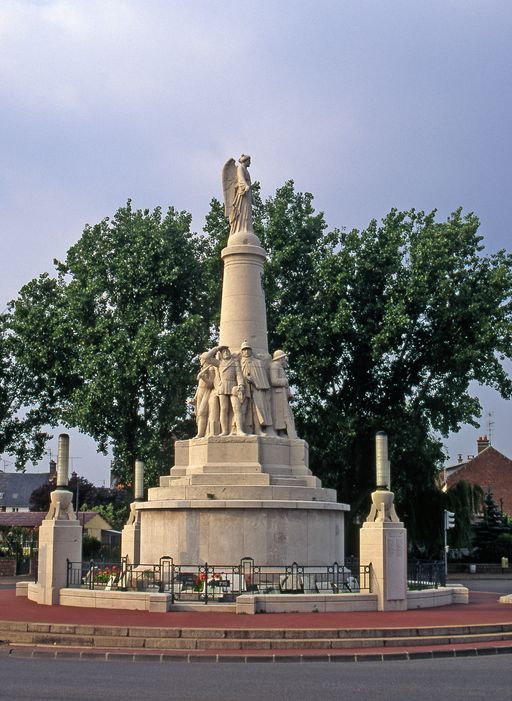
[{"x": 33, "y": 519}]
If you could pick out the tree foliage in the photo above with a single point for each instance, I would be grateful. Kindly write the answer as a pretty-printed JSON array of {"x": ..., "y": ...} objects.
[
  {"x": 465, "y": 500},
  {"x": 385, "y": 327},
  {"x": 107, "y": 346},
  {"x": 105, "y": 500},
  {"x": 21, "y": 432},
  {"x": 492, "y": 534}
]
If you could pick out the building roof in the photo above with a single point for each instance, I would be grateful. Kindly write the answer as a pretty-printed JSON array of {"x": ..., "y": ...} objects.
[
  {"x": 33, "y": 519},
  {"x": 17, "y": 487},
  {"x": 491, "y": 470}
]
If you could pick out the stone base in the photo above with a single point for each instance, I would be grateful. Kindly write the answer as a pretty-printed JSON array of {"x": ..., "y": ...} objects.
[
  {"x": 331, "y": 603},
  {"x": 222, "y": 533},
  {"x": 246, "y": 468},
  {"x": 253, "y": 603},
  {"x": 304, "y": 603},
  {"x": 59, "y": 541},
  {"x": 125, "y": 600},
  {"x": 230, "y": 497},
  {"x": 384, "y": 545},
  {"x": 130, "y": 542}
]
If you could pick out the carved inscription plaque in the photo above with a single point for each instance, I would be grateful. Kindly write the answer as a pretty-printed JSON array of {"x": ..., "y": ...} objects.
[{"x": 395, "y": 566}]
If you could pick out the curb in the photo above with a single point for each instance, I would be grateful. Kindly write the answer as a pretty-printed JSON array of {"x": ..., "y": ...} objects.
[{"x": 24, "y": 653}]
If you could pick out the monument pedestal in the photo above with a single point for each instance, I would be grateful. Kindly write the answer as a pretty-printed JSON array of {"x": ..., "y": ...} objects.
[
  {"x": 230, "y": 497},
  {"x": 223, "y": 532},
  {"x": 384, "y": 545},
  {"x": 60, "y": 540}
]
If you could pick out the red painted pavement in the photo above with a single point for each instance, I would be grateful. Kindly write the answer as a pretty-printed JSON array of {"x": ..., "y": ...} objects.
[{"x": 482, "y": 608}]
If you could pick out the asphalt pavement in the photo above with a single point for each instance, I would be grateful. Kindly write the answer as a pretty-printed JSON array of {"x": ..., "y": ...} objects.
[{"x": 477, "y": 679}]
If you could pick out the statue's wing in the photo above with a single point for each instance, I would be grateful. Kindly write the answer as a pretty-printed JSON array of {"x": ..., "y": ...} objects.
[{"x": 229, "y": 178}]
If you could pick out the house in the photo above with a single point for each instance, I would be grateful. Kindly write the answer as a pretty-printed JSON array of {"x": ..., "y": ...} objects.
[
  {"x": 488, "y": 468},
  {"x": 17, "y": 487},
  {"x": 93, "y": 524}
]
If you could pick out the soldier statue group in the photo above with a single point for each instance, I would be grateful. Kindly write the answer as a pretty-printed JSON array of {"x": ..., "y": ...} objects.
[{"x": 243, "y": 394}]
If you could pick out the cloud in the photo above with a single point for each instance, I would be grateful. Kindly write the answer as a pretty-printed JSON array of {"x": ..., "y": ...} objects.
[{"x": 366, "y": 104}]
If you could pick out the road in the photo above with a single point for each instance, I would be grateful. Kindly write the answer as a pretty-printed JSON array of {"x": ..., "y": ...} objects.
[{"x": 456, "y": 679}]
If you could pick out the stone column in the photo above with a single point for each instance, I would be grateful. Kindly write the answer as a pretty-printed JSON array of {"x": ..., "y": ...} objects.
[
  {"x": 139, "y": 481},
  {"x": 60, "y": 536},
  {"x": 384, "y": 545},
  {"x": 383, "y": 540},
  {"x": 243, "y": 313},
  {"x": 130, "y": 537}
]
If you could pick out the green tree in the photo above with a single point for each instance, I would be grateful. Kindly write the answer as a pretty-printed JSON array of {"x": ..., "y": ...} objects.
[
  {"x": 114, "y": 513},
  {"x": 90, "y": 497},
  {"x": 91, "y": 547},
  {"x": 492, "y": 532},
  {"x": 385, "y": 329},
  {"x": 465, "y": 500},
  {"x": 21, "y": 431},
  {"x": 108, "y": 345}
]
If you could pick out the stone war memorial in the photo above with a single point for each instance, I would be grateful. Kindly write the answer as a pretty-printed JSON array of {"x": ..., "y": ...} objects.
[
  {"x": 240, "y": 519},
  {"x": 242, "y": 487}
]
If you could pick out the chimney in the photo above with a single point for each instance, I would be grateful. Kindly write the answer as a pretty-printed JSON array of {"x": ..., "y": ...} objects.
[
  {"x": 482, "y": 443},
  {"x": 53, "y": 471}
]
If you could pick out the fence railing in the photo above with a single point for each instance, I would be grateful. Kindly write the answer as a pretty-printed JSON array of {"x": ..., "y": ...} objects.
[
  {"x": 206, "y": 582},
  {"x": 426, "y": 575}
]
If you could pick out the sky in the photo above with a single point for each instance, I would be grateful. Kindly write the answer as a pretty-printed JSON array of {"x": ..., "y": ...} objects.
[{"x": 367, "y": 104}]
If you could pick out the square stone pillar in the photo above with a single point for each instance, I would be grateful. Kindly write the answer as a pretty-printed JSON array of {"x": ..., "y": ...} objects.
[
  {"x": 130, "y": 537},
  {"x": 59, "y": 541},
  {"x": 384, "y": 545}
]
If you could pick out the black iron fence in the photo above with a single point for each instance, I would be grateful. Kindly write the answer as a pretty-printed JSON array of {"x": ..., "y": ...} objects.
[
  {"x": 206, "y": 582},
  {"x": 426, "y": 575}
]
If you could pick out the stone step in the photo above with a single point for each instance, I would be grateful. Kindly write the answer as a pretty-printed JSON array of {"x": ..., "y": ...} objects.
[
  {"x": 234, "y": 479},
  {"x": 244, "y": 492},
  {"x": 289, "y": 482},
  {"x": 135, "y": 637},
  {"x": 298, "y": 470},
  {"x": 212, "y": 467},
  {"x": 216, "y": 468},
  {"x": 286, "y": 471}
]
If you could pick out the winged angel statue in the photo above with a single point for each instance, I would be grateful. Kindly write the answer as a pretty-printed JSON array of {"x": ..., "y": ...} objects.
[{"x": 236, "y": 184}]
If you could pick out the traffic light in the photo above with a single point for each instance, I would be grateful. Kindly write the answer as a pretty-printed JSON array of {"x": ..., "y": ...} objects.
[{"x": 449, "y": 519}]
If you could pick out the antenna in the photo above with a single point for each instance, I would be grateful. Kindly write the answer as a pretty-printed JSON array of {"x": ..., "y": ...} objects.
[{"x": 490, "y": 424}]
